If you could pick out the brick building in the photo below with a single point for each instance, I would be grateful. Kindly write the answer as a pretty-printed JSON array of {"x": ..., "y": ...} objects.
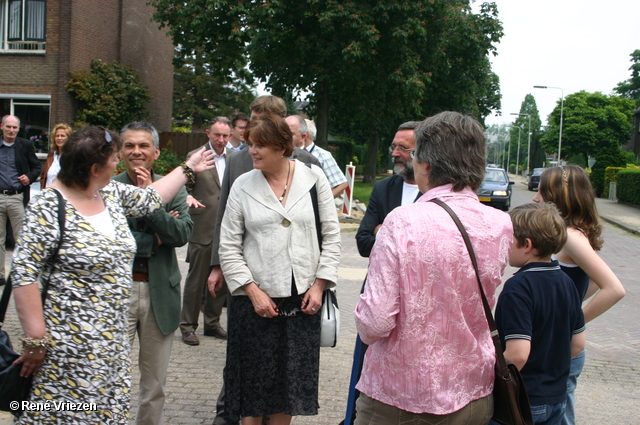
[{"x": 42, "y": 40}]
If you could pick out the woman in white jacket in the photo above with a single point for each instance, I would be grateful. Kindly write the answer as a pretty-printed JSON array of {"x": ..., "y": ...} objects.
[{"x": 276, "y": 272}]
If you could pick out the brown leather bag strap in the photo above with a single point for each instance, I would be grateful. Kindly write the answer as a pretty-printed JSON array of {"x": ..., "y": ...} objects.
[{"x": 502, "y": 364}]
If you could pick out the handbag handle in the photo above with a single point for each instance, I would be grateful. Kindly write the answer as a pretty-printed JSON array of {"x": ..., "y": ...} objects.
[
  {"x": 501, "y": 362},
  {"x": 6, "y": 294},
  {"x": 314, "y": 200}
]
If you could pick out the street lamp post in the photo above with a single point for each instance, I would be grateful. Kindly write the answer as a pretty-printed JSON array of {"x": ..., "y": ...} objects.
[
  {"x": 509, "y": 150},
  {"x": 518, "y": 156},
  {"x": 561, "y": 117},
  {"x": 529, "y": 142}
]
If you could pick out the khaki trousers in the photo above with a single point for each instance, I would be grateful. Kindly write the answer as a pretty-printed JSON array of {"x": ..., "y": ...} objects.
[
  {"x": 374, "y": 412},
  {"x": 153, "y": 358},
  {"x": 12, "y": 208}
]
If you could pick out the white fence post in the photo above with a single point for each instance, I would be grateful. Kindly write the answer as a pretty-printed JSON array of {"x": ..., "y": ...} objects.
[{"x": 348, "y": 192}]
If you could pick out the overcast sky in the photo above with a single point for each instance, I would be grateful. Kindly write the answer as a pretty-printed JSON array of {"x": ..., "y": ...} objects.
[{"x": 575, "y": 45}]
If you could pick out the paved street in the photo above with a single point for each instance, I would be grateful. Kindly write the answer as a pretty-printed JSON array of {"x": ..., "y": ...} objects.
[{"x": 608, "y": 391}]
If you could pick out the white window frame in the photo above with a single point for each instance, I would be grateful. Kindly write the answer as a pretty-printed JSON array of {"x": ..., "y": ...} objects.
[{"x": 29, "y": 38}]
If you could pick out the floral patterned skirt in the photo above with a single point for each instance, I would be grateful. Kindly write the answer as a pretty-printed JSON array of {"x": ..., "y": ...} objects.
[{"x": 272, "y": 364}]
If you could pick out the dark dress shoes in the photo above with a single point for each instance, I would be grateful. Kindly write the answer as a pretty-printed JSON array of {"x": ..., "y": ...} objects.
[
  {"x": 190, "y": 338},
  {"x": 216, "y": 332}
]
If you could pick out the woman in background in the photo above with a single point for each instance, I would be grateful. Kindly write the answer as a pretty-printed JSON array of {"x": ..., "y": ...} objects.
[
  {"x": 570, "y": 189},
  {"x": 51, "y": 168}
]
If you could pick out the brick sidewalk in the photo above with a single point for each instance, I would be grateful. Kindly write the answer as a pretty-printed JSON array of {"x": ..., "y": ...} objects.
[{"x": 608, "y": 391}]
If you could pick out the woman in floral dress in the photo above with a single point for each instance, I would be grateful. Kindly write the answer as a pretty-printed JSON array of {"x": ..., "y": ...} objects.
[{"x": 85, "y": 314}]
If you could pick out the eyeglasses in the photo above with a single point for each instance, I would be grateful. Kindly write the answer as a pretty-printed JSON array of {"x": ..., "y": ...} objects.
[
  {"x": 412, "y": 154},
  {"x": 393, "y": 147}
]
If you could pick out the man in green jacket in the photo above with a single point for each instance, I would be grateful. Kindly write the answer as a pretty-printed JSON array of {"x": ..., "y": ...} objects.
[{"x": 154, "y": 310}]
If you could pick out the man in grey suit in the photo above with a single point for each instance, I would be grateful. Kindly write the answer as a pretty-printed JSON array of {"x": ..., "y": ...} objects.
[
  {"x": 154, "y": 309},
  {"x": 203, "y": 201}
]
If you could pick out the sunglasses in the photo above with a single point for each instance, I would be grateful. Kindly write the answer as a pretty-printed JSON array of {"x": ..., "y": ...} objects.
[
  {"x": 288, "y": 310},
  {"x": 107, "y": 135}
]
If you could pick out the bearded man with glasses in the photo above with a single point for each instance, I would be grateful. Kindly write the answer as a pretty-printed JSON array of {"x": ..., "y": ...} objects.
[{"x": 387, "y": 194}]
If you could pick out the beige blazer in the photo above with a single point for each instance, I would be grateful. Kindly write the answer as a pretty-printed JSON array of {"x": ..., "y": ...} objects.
[{"x": 263, "y": 241}]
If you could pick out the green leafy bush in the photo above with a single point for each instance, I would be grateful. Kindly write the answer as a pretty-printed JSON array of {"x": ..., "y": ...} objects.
[
  {"x": 608, "y": 157},
  {"x": 110, "y": 95},
  {"x": 628, "y": 188}
]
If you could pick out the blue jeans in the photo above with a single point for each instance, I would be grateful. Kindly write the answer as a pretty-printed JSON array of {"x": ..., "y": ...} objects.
[
  {"x": 577, "y": 364},
  {"x": 548, "y": 414}
]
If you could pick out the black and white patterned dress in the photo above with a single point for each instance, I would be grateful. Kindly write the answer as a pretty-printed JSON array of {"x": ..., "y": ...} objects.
[{"x": 87, "y": 306}]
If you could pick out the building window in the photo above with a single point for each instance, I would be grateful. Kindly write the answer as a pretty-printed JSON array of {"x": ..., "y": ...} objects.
[{"x": 23, "y": 25}]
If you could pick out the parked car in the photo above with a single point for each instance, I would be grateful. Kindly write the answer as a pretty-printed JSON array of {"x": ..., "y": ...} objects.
[
  {"x": 534, "y": 178},
  {"x": 496, "y": 189}
]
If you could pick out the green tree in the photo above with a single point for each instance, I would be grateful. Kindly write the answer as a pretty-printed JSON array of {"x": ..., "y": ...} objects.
[
  {"x": 630, "y": 88},
  {"x": 593, "y": 122},
  {"x": 533, "y": 148},
  {"x": 109, "y": 94},
  {"x": 498, "y": 139},
  {"x": 375, "y": 63},
  {"x": 201, "y": 93}
]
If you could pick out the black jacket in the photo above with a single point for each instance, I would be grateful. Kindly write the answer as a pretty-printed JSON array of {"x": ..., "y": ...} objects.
[
  {"x": 27, "y": 163},
  {"x": 385, "y": 196}
]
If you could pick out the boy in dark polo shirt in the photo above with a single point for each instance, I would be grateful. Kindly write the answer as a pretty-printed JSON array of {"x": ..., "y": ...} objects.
[{"x": 539, "y": 315}]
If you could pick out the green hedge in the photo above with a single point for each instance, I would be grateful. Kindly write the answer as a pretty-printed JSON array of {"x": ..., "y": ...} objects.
[
  {"x": 610, "y": 176},
  {"x": 628, "y": 187}
]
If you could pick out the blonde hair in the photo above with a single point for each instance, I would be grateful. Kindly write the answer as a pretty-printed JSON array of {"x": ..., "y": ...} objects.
[{"x": 52, "y": 137}]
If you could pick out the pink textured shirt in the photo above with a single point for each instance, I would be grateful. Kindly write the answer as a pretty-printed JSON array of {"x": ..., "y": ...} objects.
[{"x": 421, "y": 311}]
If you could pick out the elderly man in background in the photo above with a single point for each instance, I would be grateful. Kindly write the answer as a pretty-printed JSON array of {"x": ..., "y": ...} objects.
[
  {"x": 387, "y": 194},
  {"x": 336, "y": 177},
  {"x": 19, "y": 167}
]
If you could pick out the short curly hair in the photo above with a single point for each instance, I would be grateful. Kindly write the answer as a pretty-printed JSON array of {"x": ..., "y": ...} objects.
[
  {"x": 272, "y": 131},
  {"x": 86, "y": 147}
]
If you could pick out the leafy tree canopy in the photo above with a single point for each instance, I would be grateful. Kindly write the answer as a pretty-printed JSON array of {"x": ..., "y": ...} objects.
[
  {"x": 593, "y": 122},
  {"x": 528, "y": 146},
  {"x": 201, "y": 93},
  {"x": 369, "y": 64},
  {"x": 630, "y": 88},
  {"x": 109, "y": 94}
]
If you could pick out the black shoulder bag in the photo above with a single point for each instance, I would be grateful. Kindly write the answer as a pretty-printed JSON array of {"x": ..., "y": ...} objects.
[
  {"x": 13, "y": 388},
  {"x": 510, "y": 399}
]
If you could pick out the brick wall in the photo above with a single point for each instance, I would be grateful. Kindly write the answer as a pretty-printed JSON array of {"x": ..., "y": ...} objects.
[
  {"x": 79, "y": 31},
  {"x": 150, "y": 52}
]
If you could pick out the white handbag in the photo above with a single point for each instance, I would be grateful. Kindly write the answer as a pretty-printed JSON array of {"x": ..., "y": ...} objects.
[{"x": 330, "y": 326}]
